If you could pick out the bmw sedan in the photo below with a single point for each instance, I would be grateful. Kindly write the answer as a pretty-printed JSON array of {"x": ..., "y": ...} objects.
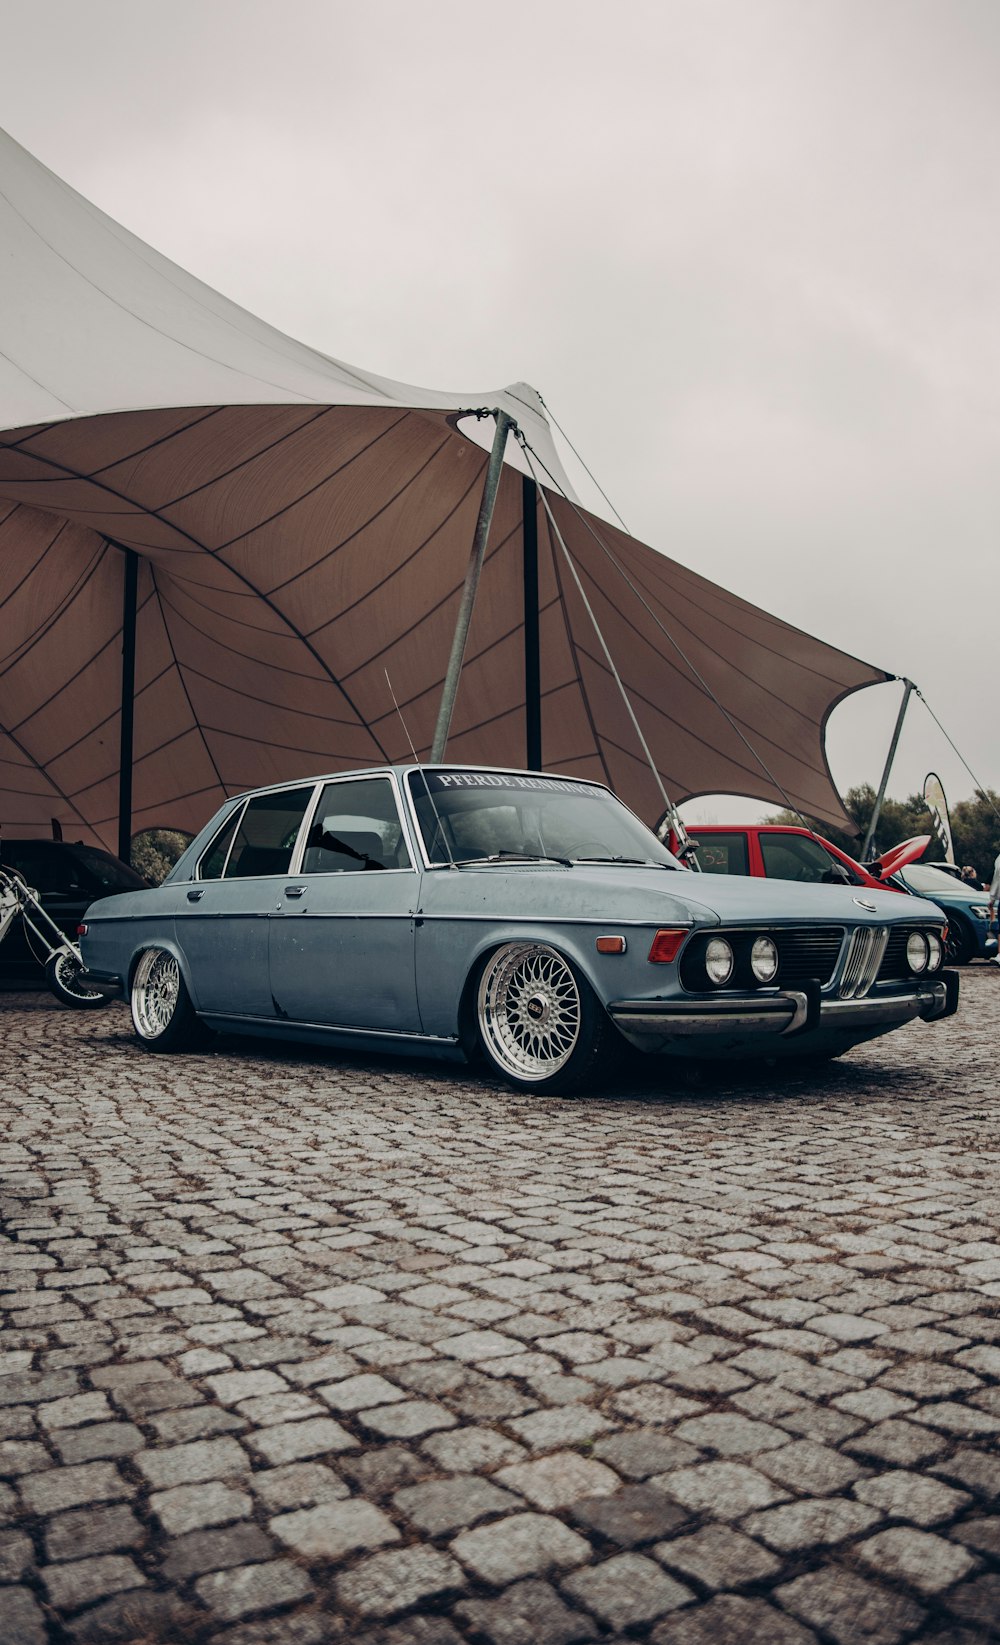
[{"x": 531, "y": 921}]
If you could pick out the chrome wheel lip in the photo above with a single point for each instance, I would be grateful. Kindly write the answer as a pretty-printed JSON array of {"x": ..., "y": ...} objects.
[
  {"x": 155, "y": 992},
  {"x": 530, "y": 1010}
]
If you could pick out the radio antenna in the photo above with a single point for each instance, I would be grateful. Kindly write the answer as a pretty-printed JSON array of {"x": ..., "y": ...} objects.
[{"x": 427, "y": 788}]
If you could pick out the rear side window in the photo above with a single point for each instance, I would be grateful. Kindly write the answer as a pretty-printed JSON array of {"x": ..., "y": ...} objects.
[
  {"x": 213, "y": 861},
  {"x": 722, "y": 853},
  {"x": 267, "y": 832}
]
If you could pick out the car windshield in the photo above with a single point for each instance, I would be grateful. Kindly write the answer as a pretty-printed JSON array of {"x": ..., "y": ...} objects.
[
  {"x": 932, "y": 882},
  {"x": 469, "y": 816},
  {"x": 108, "y": 871}
]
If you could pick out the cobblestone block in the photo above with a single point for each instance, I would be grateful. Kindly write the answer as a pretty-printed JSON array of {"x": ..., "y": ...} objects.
[
  {"x": 88, "y": 1531},
  {"x": 918, "y": 1558},
  {"x": 725, "y": 1490},
  {"x": 187, "y": 1464},
  {"x": 519, "y": 1546},
  {"x": 393, "y": 1582},
  {"x": 526, "y": 1614},
  {"x": 77, "y": 1408},
  {"x": 472, "y": 1449},
  {"x": 247, "y": 1588},
  {"x": 806, "y": 1466},
  {"x": 978, "y": 1603},
  {"x": 906, "y": 1495},
  {"x": 636, "y": 1514},
  {"x": 730, "y": 1620},
  {"x": 976, "y": 1470},
  {"x": 360, "y": 1393},
  {"x": 719, "y": 1557},
  {"x": 626, "y": 1590},
  {"x": 137, "y": 1615},
  {"x": 292, "y": 1441},
  {"x": 23, "y": 1619},
  {"x": 22, "y": 1456},
  {"x": 201, "y": 1551},
  {"x": 555, "y": 1481},
  {"x": 447, "y": 1504},
  {"x": 731, "y": 1435},
  {"x": 564, "y": 1425},
  {"x": 899, "y": 1442},
  {"x": 100, "y": 1439},
  {"x": 641, "y": 1452},
  {"x": 298, "y": 1485},
  {"x": 334, "y": 1529},
  {"x": 384, "y": 1469},
  {"x": 229, "y": 1387},
  {"x": 80, "y": 1582},
  {"x": 60, "y": 1488},
  {"x": 819, "y": 1522},
  {"x": 409, "y": 1420},
  {"x": 192, "y": 1507},
  {"x": 849, "y": 1609},
  {"x": 16, "y": 1556}
]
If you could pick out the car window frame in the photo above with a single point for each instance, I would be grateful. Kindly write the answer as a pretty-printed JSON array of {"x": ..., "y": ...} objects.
[
  {"x": 378, "y": 775},
  {"x": 238, "y": 813}
]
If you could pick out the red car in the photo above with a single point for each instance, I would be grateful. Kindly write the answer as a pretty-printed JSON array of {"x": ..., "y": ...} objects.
[{"x": 779, "y": 852}]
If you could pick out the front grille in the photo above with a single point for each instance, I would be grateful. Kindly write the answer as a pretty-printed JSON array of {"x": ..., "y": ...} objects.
[
  {"x": 804, "y": 952},
  {"x": 864, "y": 956},
  {"x": 894, "y": 967}
]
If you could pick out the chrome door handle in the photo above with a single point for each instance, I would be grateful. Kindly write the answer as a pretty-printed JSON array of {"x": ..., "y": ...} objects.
[
  {"x": 193, "y": 896},
  {"x": 295, "y": 890}
]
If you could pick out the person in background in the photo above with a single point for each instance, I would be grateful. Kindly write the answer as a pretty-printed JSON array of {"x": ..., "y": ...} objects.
[
  {"x": 994, "y": 898},
  {"x": 969, "y": 874}
]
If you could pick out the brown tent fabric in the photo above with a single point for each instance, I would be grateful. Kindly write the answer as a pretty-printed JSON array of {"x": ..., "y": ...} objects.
[{"x": 302, "y": 530}]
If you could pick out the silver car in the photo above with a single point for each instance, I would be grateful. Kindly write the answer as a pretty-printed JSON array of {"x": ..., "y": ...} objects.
[{"x": 529, "y": 920}]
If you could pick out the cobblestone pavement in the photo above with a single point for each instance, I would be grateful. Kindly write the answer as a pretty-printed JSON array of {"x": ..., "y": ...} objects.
[{"x": 299, "y": 1348}]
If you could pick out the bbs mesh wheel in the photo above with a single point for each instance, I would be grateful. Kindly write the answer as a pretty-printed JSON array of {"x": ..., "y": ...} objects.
[
  {"x": 162, "y": 1014},
  {"x": 539, "y": 1023}
]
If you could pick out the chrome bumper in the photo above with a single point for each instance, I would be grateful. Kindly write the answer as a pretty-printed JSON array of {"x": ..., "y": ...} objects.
[{"x": 791, "y": 1012}]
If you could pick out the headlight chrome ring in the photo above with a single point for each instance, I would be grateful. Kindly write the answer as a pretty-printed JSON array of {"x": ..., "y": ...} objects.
[
  {"x": 917, "y": 952},
  {"x": 764, "y": 959},
  {"x": 935, "y": 949},
  {"x": 718, "y": 961}
]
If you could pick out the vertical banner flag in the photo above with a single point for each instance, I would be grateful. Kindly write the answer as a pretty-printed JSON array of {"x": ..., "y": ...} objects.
[{"x": 937, "y": 805}]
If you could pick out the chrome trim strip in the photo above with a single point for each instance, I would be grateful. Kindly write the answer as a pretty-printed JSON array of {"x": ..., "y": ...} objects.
[{"x": 330, "y": 1028}]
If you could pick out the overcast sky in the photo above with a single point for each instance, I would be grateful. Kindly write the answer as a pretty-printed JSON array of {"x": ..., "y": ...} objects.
[{"x": 747, "y": 250}]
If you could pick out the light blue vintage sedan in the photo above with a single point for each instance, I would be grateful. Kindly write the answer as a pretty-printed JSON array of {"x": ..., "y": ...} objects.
[{"x": 529, "y": 919}]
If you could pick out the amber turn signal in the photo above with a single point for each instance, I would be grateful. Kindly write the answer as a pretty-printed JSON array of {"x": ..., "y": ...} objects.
[
  {"x": 665, "y": 945},
  {"x": 611, "y": 945}
]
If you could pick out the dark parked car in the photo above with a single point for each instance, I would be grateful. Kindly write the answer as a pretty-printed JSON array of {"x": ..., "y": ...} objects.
[
  {"x": 68, "y": 878},
  {"x": 530, "y": 919}
]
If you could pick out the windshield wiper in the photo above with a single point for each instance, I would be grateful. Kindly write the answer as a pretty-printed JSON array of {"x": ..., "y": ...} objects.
[
  {"x": 512, "y": 856},
  {"x": 632, "y": 862}
]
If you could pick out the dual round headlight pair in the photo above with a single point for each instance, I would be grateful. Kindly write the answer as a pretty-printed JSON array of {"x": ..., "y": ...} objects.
[
  {"x": 719, "y": 960},
  {"x": 923, "y": 951}
]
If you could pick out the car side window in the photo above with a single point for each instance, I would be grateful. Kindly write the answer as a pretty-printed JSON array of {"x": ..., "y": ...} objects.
[
  {"x": 266, "y": 836},
  {"x": 213, "y": 860},
  {"x": 356, "y": 828},
  {"x": 722, "y": 853},
  {"x": 797, "y": 857}
]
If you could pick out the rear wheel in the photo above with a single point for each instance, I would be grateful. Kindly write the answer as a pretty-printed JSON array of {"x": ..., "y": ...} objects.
[
  {"x": 539, "y": 1024},
  {"x": 64, "y": 975},
  {"x": 162, "y": 1013},
  {"x": 959, "y": 941}
]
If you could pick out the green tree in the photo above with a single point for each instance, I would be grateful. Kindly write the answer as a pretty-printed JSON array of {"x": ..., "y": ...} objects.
[
  {"x": 975, "y": 827},
  {"x": 155, "y": 850}
]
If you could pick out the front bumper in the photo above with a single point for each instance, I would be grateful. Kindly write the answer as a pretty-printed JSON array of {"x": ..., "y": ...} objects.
[{"x": 795, "y": 1013}]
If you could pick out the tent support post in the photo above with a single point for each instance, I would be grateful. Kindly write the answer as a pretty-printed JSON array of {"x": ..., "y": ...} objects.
[
  {"x": 532, "y": 656},
  {"x": 125, "y": 752},
  {"x": 494, "y": 468},
  {"x": 873, "y": 824}
]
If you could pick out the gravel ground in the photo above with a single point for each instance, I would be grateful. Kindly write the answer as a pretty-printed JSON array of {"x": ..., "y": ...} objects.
[{"x": 299, "y": 1347}]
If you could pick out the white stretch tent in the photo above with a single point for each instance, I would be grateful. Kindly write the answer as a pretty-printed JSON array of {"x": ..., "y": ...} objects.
[{"x": 301, "y": 527}]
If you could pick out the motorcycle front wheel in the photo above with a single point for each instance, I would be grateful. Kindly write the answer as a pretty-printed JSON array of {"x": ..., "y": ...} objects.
[{"x": 64, "y": 974}]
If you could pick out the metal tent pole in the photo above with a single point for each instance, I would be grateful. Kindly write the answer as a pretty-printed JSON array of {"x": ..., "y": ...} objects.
[
  {"x": 532, "y": 655},
  {"x": 125, "y": 748},
  {"x": 494, "y": 469},
  {"x": 873, "y": 824}
]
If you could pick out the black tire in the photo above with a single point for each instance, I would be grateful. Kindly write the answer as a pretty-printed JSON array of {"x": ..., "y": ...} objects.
[
  {"x": 959, "y": 942},
  {"x": 538, "y": 1022},
  {"x": 62, "y": 973},
  {"x": 162, "y": 1014}
]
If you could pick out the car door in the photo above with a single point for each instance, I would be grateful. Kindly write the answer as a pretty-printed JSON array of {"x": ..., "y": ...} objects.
[
  {"x": 341, "y": 941},
  {"x": 222, "y": 917}
]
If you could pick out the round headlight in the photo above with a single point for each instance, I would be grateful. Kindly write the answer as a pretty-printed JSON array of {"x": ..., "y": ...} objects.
[
  {"x": 936, "y": 951},
  {"x": 917, "y": 951},
  {"x": 764, "y": 959},
  {"x": 719, "y": 961}
]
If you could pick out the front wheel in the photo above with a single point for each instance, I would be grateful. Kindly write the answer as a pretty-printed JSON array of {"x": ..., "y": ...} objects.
[
  {"x": 539, "y": 1023},
  {"x": 64, "y": 974},
  {"x": 162, "y": 1013}
]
